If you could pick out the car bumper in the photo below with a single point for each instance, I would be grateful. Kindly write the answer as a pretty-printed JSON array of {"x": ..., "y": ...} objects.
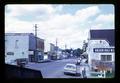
[{"x": 70, "y": 72}]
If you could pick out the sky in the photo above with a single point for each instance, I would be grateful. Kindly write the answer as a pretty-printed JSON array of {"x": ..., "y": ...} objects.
[{"x": 68, "y": 23}]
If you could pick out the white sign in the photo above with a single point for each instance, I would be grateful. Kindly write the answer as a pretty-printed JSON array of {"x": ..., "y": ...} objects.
[{"x": 31, "y": 52}]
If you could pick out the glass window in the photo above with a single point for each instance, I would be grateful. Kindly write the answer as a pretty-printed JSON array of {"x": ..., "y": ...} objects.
[
  {"x": 109, "y": 57},
  {"x": 103, "y": 57},
  {"x": 106, "y": 57}
]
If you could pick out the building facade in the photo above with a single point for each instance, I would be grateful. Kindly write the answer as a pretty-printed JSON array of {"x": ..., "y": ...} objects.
[
  {"x": 55, "y": 52},
  {"x": 21, "y": 45},
  {"x": 100, "y": 50},
  {"x": 38, "y": 54}
]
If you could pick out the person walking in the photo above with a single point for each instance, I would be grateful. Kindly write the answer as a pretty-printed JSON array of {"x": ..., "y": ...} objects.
[{"x": 84, "y": 73}]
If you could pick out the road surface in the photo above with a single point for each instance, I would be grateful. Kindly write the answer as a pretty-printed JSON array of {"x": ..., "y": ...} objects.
[{"x": 53, "y": 69}]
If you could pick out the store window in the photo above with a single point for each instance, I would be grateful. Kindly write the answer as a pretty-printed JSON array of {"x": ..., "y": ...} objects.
[{"x": 106, "y": 57}]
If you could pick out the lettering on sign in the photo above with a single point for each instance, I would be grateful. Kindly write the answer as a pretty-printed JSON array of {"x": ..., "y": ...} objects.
[{"x": 103, "y": 50}]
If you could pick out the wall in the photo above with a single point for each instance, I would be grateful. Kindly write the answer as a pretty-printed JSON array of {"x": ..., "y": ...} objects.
[
  {"x": 10, "y": 46},
  {"x": 40, "y": 44},
  {"x": 97, "y": 44},
  {"x": 32, "y": 42}
]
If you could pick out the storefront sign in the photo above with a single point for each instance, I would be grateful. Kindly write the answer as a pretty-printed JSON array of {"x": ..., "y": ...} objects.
[{"x": 103, "y": 50}]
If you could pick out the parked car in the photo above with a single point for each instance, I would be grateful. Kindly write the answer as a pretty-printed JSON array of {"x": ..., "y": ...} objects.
[
  {"x": 21, "y": 62},
  {"x": 70, "y": 69}
]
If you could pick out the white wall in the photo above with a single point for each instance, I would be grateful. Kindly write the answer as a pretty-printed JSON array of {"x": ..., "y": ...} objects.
[
  {"x": 23, "y": 45},
  {"x": 96, "y": 44}
]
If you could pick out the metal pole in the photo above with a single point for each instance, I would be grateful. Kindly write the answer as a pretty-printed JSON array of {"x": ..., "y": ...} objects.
[
  {"x": 56, "y": 49},
  {"x": 36, "y": 41}
]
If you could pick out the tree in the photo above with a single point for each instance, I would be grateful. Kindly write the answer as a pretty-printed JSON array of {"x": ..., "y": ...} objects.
[
  {"x": 85, "y": 44},
  {"x": 77, "y": 52}
]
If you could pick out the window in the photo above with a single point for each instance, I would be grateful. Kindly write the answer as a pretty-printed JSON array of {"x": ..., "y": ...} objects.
[
  {"x": 109, "y": 57},
  {"x": 16, "y": 44},
  {"x": 10, "y": 53},
  {"x": 106, "y": 57},
  {"x": 103, "y": 57}
]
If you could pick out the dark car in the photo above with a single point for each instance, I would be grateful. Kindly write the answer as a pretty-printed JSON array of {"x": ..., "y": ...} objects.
[{"x": 22, "y": 62}]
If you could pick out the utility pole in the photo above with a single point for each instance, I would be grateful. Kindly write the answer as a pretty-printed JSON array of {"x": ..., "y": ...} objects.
[
  {"x": 56, "y": 42},
  {"x": 36, "y": 41},
  {"x": 65, "y": 48},
  {"x": 56, "y": 47}
]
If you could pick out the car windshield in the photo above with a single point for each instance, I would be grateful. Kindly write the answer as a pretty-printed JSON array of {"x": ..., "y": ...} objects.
[{"x": 70, "y": 66}]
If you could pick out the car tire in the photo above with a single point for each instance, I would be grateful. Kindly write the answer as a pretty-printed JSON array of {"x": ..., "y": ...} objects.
[{"x": 64, "y": 73}]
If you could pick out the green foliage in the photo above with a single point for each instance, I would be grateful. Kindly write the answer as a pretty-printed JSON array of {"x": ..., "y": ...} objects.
[
  {"x": 77, "y": 52},
  {"x": 110, "y": 74}
]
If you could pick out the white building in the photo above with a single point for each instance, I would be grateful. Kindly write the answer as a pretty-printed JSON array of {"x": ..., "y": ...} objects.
[
  {"x": 19, "y": 46},
  {"x": 100, "y": 50}
]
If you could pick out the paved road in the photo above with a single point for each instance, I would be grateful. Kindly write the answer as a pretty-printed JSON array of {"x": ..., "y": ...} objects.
[{"x": 53, "y": 69}]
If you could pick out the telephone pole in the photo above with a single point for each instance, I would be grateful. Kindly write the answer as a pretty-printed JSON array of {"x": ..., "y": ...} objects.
[
  {"x": 56, "y": 48},
  {"x": 35, "y": 42},
  {"x": 65, "y": 46},
  {"x": 56, "y": 42}
]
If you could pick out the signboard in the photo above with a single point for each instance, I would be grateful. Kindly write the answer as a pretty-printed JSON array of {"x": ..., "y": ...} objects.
[
  {"x": 31, "y": 52},
  {"x": 103, "y": 50},
  {"x": 10, "y": 53}
]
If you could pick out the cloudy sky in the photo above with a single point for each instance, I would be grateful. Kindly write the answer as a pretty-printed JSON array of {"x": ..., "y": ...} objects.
[{"x": 69, "y": 23}]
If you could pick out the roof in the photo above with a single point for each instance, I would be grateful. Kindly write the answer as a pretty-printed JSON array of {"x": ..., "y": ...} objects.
[
  {"x": 107, "y": 34},
  {"x": 40, "y": 39},
  {"x": 17, "y": 34}
]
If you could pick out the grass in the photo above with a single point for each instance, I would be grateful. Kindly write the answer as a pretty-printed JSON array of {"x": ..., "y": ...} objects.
[{"x": 109, "y": 75}]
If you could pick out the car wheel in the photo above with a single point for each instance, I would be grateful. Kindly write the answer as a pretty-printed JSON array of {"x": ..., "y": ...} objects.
[{"x": 64, "y": 73}]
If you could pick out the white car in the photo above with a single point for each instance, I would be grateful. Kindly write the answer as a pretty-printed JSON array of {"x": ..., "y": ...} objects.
[{"x": 70, "y": 69}]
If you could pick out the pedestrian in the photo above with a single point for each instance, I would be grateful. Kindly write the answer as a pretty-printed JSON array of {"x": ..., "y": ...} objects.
[{"x": 84, "y": 73}]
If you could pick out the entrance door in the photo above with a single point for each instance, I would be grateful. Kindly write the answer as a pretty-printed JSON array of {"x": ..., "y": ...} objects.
[{"x": 31, "y": 58}]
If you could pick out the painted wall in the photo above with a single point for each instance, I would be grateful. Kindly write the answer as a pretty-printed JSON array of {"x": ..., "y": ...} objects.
[
  {"x": 98, "y": 44},
  {"x": 18, "y": 45},
  {"x": 32, "y": 42}
]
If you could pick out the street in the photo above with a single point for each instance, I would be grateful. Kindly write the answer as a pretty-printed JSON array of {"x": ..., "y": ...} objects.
[{"x": 53, "y": 69}]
